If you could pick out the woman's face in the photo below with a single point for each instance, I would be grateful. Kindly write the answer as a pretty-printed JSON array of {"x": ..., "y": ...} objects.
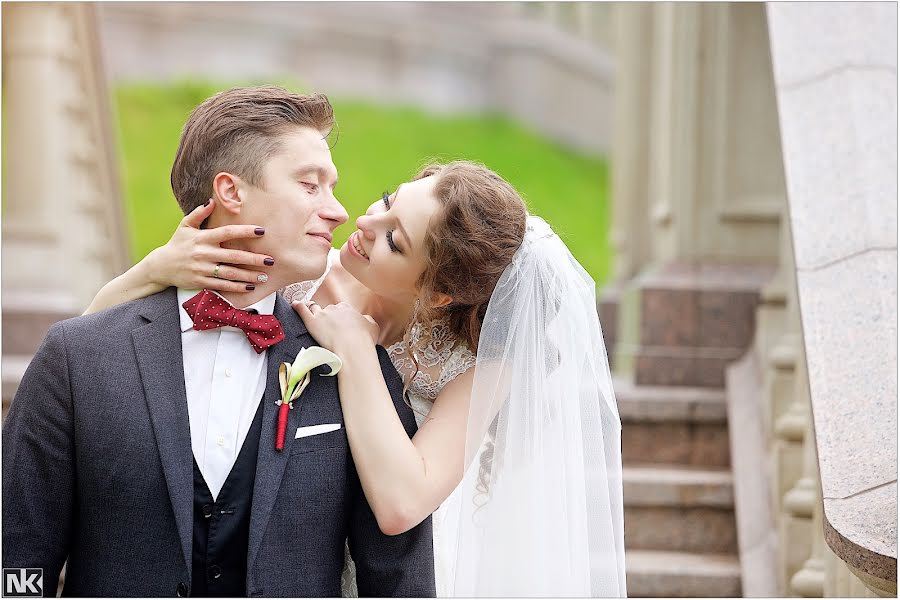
[{"x": 391, "y": 236}]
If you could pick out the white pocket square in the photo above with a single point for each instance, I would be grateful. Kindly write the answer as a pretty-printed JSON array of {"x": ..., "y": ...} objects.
[{"x": 316, "y": 429}]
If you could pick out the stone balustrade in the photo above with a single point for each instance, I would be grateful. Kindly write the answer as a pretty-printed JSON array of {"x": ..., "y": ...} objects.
[{"x": 835, "y": 72}]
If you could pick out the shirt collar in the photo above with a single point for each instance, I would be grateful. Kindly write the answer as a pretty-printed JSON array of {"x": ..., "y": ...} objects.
[{"x": 266, "y": 306}]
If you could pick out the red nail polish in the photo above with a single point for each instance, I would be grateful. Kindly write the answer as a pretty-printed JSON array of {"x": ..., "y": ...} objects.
[
  {"x": 259, "y": 231},
  {"x": 207, "y": 202},
  {"x": 269, "y": 262},
  {"x": 250, "y": 287}
]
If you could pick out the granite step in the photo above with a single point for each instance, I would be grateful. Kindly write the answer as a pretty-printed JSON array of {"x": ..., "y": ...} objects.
[
  {"x": 696, "y": 317},
  {"x": 679, "y": 508},
  {"x": 673, "y": 424},
  {"x": 655, "y": 574},
  {"x": 677, "y": 485}
]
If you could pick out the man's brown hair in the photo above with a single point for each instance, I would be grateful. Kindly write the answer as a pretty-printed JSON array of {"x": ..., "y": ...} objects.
[{"x": 237, "y": 131}]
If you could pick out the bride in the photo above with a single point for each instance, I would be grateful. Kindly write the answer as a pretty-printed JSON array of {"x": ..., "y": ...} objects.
[{"x": 492, "y": 325}]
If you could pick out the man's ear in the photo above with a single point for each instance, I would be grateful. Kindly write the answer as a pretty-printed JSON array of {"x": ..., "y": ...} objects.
[
  {"x": 227, "y": 192},
  {"x": 439, "y": 300}
]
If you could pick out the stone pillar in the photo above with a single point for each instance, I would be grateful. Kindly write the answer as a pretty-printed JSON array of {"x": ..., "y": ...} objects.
[
  {"x": 673, "y": 113},
  {"x": 630, "y": 232},
  {"x": 63, "y": 225},
  {"x": 584, "y": 20},
  {"x": 694, "y": 233},
  {"x": 630, "y": 236},
  {"x": 717, "y": 183}
]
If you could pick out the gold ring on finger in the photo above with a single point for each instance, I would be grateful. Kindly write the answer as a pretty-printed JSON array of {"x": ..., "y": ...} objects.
[{"x": 216, "y": 272}]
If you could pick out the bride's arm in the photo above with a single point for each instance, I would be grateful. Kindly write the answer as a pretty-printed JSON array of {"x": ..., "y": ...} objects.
[
  {"x": 404, "y": 480},
  {"x": 187, "y": 260}
]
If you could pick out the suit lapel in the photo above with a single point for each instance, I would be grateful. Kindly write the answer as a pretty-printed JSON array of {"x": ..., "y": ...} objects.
[
  {"x": 158, "y": 349},
  {"x": 271, "y": 463}
]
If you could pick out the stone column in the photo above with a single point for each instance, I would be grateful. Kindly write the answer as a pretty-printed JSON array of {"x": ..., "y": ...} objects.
[
  {"x": 630, "y": 234},
  {"x": 584, "y": 22},
  {"x": 672, "y": 168},
  {"x": 63, "y": 226},
  {"x": 717, "y": 183}
]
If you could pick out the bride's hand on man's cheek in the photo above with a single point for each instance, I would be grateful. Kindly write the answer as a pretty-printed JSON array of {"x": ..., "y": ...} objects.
[
  {"x": 195, "y": 259},
  {"x": 338, "y": 326}
]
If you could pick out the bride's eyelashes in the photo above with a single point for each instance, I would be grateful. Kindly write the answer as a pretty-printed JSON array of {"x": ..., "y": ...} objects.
[
  {"x": 390, "y": 234},
  {"x": 390, "y": 241}
]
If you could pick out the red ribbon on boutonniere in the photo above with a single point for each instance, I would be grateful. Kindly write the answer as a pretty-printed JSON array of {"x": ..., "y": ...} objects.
[{"x": 295, "y": 377}]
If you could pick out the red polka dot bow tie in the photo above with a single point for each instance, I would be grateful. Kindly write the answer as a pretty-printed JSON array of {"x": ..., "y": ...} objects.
[{"x": 208, "y": 310}]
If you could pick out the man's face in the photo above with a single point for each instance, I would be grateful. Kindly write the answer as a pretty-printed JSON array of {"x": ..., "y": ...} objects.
[{"x": 296, "y": 205}]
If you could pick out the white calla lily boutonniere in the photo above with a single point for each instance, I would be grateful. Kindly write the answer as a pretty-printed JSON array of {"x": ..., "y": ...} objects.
[{"x": 295, "y": 377}]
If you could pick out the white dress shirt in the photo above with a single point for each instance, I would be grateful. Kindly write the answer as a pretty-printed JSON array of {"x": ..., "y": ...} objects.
[{"x": 225, "y": 380}]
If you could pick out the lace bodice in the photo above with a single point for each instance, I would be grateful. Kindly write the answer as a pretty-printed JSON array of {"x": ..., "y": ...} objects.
[{"x": 441, "y": 361}]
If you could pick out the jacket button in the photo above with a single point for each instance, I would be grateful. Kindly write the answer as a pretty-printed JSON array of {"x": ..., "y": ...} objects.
[
  {"x": 207, "y": 511},
  {"x": 182, "y": 590},
  {"x": 215, "y": 571}
]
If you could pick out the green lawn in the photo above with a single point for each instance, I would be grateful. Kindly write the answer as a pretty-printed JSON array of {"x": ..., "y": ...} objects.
[{"x": 378, "y": 148}]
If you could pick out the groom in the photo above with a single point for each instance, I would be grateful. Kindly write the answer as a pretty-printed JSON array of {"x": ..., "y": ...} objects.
[{"x": 140, "y": 447}]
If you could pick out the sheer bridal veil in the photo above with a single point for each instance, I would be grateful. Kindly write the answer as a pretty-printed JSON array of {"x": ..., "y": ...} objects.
[{"x": 539, "y": 511}]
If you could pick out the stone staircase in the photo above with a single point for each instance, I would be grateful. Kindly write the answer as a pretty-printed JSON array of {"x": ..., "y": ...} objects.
[
  {"x": 680, "y": 534},
  {"x": 686, "y": 323}
]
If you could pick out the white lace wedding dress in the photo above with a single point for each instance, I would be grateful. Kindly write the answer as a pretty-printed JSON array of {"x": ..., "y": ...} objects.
[{"x": 439, "y": 363}]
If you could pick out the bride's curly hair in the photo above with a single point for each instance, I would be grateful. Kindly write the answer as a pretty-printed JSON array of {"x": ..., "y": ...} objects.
[{"x": 469, "y": 243}]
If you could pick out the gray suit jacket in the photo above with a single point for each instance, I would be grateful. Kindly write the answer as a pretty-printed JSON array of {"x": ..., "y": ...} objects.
[{"x": 97, "y": 471}]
